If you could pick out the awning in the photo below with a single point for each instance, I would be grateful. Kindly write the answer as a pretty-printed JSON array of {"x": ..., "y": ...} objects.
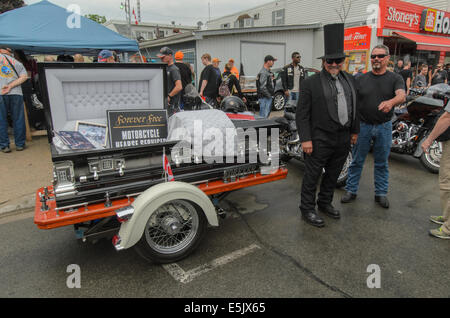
[{"x": 428, "y": 42}]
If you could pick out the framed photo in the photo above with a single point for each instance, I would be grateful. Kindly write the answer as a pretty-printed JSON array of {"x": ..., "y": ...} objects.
[
  {"x": 97, "y": 134},
  {"x": 75, "y": 140}
]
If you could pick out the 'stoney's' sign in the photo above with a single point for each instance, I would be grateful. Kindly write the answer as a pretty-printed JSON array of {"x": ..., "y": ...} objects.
[{"x": 134, "y": 128}]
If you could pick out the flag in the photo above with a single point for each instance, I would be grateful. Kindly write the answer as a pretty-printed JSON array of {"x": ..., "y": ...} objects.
[
  {"x": 167, "y": 168},
  {"x": 135, "y": 19}
]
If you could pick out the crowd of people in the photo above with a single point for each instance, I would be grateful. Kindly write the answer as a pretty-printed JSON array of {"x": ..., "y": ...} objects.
[
  {"x": 421, "y": 76},
  {"x": 335, "y": 110}
]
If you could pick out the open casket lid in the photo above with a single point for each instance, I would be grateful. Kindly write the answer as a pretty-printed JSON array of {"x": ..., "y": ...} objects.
[{"x": 74, "y": 92}]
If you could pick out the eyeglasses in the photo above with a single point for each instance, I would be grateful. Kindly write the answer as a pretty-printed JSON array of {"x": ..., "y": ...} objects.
[
  {"x": 380, "y": 56},
  {"x": 337, "y": 61},
  {"x": 297, "y": 56}
]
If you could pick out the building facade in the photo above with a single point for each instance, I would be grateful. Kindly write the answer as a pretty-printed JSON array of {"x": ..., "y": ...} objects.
[
  {"x": 416, "y": 31},
  {"x": 293, "y": 12},
  {"x": 147, "y": 31}
]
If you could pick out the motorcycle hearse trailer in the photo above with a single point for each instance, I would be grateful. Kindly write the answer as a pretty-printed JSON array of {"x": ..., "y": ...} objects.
[{"x": 107, "y": 129}]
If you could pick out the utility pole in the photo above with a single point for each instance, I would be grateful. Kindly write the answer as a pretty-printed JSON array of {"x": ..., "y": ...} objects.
[
  {"x": 129, "y": 19},
  {"x": 209, "y": 11},
  {"x": 126, "y": 5},
  {"x": 139, "y": 10}
]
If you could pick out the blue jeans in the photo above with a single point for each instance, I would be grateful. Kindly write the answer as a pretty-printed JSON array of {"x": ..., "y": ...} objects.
[
  {"x": 293, "y": 96},
  {"x": 14, "y": 105},
  {"x": 382, "y": 140},
  {"x": 265, "y": 104}
]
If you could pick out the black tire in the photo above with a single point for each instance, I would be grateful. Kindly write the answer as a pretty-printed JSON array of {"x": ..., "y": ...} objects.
[
  {"x": 279, "y": 101},
  {"x": 285, "y": 158},
  {"x": 431, "y": 161},
  {"x": 159, "y": 225}
]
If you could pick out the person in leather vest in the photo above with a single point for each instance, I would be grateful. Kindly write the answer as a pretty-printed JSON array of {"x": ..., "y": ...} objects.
[
  {"x": 328, "y": 124},
  {"x": 292, "y": 76}
]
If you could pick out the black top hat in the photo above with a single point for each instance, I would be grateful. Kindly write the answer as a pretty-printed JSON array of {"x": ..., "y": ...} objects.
[{"x": 333, "y": 41}]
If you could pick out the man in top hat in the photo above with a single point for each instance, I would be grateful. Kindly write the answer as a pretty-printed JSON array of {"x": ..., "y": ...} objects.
[{"x": 328, "y": 124}]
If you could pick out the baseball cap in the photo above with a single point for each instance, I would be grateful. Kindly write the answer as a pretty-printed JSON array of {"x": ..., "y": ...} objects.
[
  {"x": 179, "y": 55},
  {"x": 216, "y": 60},
  {"x": 269, "y": 58},
  {"x": 165, "y": 51},
  {"x": 104, "y": 55}
]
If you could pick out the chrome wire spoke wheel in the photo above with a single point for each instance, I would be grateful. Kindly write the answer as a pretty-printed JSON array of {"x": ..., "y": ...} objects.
[
  {"x": 278, "y": 101},
  {"x": 434, "y": 154},
  {"x": 344, "y": 171},
  {"x": 172, "y": 227}
]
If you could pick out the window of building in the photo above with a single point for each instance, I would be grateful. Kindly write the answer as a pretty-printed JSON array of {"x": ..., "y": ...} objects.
[
  {"x": 256, "y": 16},
  {"x": 278, "y": 17},
  {"x": 225, "y": 26},
  {"x": 248, "y": 22}
]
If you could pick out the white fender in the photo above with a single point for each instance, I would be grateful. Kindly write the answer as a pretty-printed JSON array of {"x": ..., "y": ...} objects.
[{"x": 150, "y": 200}]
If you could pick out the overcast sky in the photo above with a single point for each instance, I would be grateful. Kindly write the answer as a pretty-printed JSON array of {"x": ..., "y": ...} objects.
[{"x": 186, "y": 12}]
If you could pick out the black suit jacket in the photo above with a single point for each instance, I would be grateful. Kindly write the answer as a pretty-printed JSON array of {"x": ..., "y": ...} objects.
[{"x": 317, "y": 110}]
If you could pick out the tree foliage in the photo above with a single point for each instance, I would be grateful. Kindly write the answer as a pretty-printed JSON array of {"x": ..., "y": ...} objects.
[
  {"x": 7, "y": 5},
  {"x": 97, "y": 18}
]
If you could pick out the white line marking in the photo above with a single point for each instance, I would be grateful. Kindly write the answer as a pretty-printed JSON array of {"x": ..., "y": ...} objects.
[{"x": 187, "y": 276}]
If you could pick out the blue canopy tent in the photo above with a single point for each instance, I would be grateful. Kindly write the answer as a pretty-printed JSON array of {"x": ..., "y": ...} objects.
[{"x": 45, "y": 28}]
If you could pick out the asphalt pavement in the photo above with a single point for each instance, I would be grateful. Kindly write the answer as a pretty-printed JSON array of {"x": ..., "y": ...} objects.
[{"x": 262, "y": 248}]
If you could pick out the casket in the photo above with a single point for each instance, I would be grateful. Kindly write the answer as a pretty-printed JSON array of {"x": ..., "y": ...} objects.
[{"x": 93, "y": 96}]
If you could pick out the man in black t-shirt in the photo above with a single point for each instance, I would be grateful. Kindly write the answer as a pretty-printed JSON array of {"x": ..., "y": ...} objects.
[
  {"x": 208, "y": 84},
  {"x": 174, "y": 85},
  {"x": 406, "y": 74},
  {"x": 379, "y": 91},
  {"x": 439, "y": 75},
  {"x": 185, "y": 72}
]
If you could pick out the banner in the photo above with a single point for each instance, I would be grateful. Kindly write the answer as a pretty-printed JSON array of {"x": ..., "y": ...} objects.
[
  {"x": 357, "y": 38},
  {"x": 135, "y": 128}
]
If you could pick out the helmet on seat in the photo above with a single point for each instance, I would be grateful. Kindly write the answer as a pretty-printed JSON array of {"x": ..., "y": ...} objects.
[{"x": 233, "y": 104}]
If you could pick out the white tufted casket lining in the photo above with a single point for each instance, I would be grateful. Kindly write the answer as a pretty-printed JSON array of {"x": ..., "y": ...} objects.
[{"x": 86, "y": 94}]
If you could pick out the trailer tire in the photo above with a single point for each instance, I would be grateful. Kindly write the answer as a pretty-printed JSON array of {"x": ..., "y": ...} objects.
[{"x": 172, "y": 232}]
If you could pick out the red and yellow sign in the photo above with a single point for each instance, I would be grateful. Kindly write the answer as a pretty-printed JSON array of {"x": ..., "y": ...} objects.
[
  {"x": 435, "y": 21},
  {"x": 405, "y": 16},
  {"x": 357, "y": 38}
]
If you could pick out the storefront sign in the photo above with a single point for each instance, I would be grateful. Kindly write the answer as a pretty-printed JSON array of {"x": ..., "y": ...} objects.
[
  {"x": 442, "y": 57},
  {"x": 405, "y": 16},
  {"x": 435, "y": 21},
  {"x": 357, "y": 38},
  {"x": 133, "y": 128}
]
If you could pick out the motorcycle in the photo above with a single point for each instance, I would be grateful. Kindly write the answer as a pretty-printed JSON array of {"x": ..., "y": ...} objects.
[
  {"x": 410, "y": 129},
  {"x": 291, "y": 147}
]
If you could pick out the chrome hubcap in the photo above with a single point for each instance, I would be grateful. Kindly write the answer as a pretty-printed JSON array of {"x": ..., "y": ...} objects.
[{"x": 434, "y": 154}]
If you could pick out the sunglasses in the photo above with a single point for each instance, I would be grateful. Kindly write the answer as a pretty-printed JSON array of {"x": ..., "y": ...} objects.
[
  {"x": 380, "y": 56},
  {"x": 337, "y": 61}
]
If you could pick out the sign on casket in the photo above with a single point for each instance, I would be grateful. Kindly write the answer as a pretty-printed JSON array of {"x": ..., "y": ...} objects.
[{"x": 134, "y": 128}]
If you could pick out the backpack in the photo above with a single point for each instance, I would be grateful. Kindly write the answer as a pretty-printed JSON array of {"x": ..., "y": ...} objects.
[{"x": 224, "y": 90}]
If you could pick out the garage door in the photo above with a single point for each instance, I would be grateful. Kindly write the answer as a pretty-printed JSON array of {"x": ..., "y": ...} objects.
[{"x": 253, "y": 53}]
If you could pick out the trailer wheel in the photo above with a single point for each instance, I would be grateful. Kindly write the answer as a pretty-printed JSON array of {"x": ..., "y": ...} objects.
[{"x": 172, "y": 232}]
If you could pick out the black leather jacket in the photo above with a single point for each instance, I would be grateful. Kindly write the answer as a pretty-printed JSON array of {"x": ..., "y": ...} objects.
[{"x": 287, "y": 76}]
